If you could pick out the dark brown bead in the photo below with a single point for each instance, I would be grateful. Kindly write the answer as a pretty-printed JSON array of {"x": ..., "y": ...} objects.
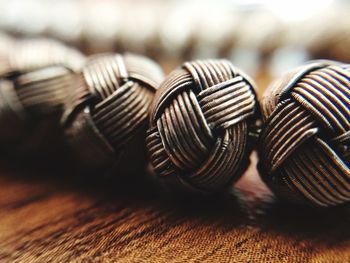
[
  {"x": 31, "y": 54},
  {"x": 32, "y": 103},
  {"x": 110, "y": 106},
  {"x": 37, "y": 76},
  {"x": 304, "y": 146},
  {"x": 199, "y": 126}
]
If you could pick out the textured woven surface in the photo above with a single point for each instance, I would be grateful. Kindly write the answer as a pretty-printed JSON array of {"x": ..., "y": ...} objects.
[
  {"x": 31, "y": 105},
  {"x": 305, "y": 146},
  {"x": 53, "y": 216},
  {"x": 36, "y": 77},
  {"x": 110, "y": 106},
  {"x": 201, "y": 119},
  {"x": 30, "y": 54}
]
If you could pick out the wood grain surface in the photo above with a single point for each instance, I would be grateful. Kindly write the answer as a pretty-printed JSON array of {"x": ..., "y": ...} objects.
[{"x": 54, "y": 214}]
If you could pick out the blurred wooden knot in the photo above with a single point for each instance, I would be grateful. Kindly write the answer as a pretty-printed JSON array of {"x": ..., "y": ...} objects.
[
  {"x": 31, "y": 54},
  {"x": 304, "y": 146},
  {"x": 31, "y": 105},
  {"x": 110, "y": 106},
  {"x": 200, "y": 121},
  {"x": 41, "y": 72},
  {"x": 36, "y": 77}
]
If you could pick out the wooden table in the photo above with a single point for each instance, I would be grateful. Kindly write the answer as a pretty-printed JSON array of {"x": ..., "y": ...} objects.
[{"x": 56, "y": 215}]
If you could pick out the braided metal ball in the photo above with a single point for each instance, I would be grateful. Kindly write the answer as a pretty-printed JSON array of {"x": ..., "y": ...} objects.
[
  {"x": 110, "y": 107},
  {"x": 305, "y": 144},
  {"x": 36, "y": 77},
  {"x": 31, "y": 54},
  {"x": 32, "y": 103},
  {"x": 200, "y": 121}
]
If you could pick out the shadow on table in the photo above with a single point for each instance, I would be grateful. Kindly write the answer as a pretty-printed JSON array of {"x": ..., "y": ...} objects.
[{"x": 250, "y": 204}]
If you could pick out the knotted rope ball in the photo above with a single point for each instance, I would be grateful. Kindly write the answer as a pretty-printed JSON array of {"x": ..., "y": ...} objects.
[
  {"x": 200, "y": 122},
  {"x": 32, "y": 104},
  {"x": 41, "y": 72},
  {"x": 305, "y": 143},
  {"x": 110, "y": 106},
  {"x": 31, "y": 54},
  {"x": 36, "y": 76}
]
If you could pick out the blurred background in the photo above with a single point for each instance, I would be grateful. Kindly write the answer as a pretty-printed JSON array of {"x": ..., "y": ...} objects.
[{"x": 265, "y": 38}]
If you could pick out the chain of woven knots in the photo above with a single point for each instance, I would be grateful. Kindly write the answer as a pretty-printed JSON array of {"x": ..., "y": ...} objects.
[
  {"x": 199, "y": 124},
  {"x": 305, "y": 144},
  {"x": 118, "y": 90}
]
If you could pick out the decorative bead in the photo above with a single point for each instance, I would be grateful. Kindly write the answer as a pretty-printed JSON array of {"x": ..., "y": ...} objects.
[
  {"x": 31, "y": 100},
  {"x": 36, "y": 77},
  {"x": 110, "y": 106},
  {"x": 31, "y": 54},
  {"x": 304, "y": 146},
  {"x": 199, "y": 126}
]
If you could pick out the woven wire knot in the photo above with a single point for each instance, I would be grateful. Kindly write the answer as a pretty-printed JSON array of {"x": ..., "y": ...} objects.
[
  {"x": 36, "y": 77},
  {"x": 45, "y": 90},
  {"x": 32, "y": 54},
  {"x": 200, "y": 120},
  {"x": 111, "y": 103},
  {"x": 304, "y": 147},
  {"x": 42, "y": 72},
  {"x": 31, "y": 104}
]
